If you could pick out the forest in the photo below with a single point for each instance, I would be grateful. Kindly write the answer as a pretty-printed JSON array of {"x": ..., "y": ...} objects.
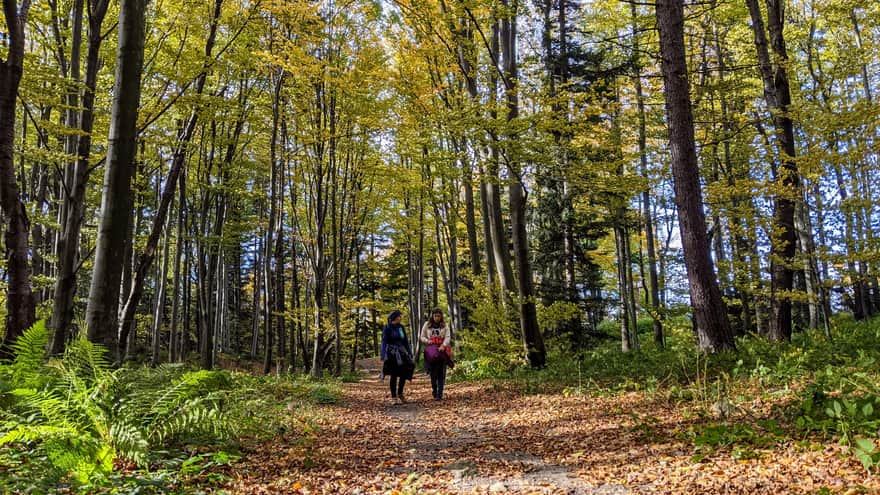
[{"x": 657, "y": 223}]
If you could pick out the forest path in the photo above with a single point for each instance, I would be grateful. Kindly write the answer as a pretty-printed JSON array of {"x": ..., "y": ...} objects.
[{"x": 488, "y": 439}]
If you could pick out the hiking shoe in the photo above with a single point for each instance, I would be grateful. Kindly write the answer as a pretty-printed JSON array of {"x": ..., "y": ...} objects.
[{"x": 402, "y": 399}]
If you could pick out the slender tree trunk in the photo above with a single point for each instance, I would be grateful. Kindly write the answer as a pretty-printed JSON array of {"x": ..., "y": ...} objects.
[
  {"x": 647, "y": 217},
  {"x": 625, "y": 324},
  {"x": 778, "y": 97},
  {"x": 713, "y": 329},
  {"x": 20, "y": 311},
  {"x": 471, "y": 221},
  {"x": 173, "y": 355},
  {"x": 103, "y": 305},
  {"x": 258, "y": 270},
  {"x": 271, "y": 261},
  {"x": 75, "y": 202},
  {"x": 533, "y": 341},
  {"x": 497, "y": 228},
  {"x": 487, "y": 235},
  {"x": 160, "y": 305},
  {"x": 630, "y": 291},
  {"x": 805, "y": 237}
]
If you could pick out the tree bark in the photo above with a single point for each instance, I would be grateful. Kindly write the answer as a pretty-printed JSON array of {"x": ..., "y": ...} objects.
[
  {"x": 647, "y": 216},
  {"x": 20, "y": 312},
  {"x": 160, "y": 304},
  {"x": 68, "y": 243},
  {"x": 497, "y": 228},
  {"x": 173, "y": 345},
  {"x": 710, "y": 314},
  {"x": 145, "y": 260},
  {"x": 116, "y": 204},
  {"x": 778, "y": 96},
  {"x": 533, "y": 341}
]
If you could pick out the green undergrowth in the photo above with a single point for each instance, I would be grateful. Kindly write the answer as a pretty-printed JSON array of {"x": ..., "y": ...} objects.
[
  {"x": 75, "y": 424},
  {"x": 828, "y": 390}
]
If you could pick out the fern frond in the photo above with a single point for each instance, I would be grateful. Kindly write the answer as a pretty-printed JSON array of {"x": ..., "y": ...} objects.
[
  {"x": 130, "y": 442},
  {"x": 30, "y": 352}
]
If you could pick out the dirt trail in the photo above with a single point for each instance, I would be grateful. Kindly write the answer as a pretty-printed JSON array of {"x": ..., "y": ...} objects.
[{"x": 484, "y": 439}]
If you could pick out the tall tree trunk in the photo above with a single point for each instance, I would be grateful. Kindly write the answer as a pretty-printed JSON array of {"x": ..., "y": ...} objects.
[
  {"x": 713, "y": 329},
  {"x": 271, "y": 262},
  {"x": 487, "y": 234},
  {"x": 778, "y": 97},
  {"x": 647, "y": 216},
  {"x": 497, "y": 228},
  {"x": 533, "y": 341},
  {"x": 178, "y": 161},
  {"x": 75, "y": 201},
  {"x": 20, "y": 312},
  {"x": 805, "y": 237},
  {"x": 160, "y": 305},
  {"x": 626, "y": 341},
  {"x": 471, "y": 220},
  {"x": 103, "y": 306},
  {"x": 173, "y": 346},
  {"x": 258, "y": 271}
]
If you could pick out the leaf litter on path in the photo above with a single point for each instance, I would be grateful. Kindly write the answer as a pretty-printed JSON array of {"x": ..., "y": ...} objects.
[{"x": 485, "y": 439}]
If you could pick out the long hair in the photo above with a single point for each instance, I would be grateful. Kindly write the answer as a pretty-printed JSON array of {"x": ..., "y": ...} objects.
[{"x": 437, "y": 324}]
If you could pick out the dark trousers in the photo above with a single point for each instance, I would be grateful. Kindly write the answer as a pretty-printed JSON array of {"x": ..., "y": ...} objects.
[
  {"x": 438, "y": 378},
  {"x": 397, "y": 388}
]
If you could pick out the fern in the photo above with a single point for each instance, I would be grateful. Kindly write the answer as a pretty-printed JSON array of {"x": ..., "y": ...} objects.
[
  {"x": 30, "y": 353},
  {"x": 81, "y": 414}
]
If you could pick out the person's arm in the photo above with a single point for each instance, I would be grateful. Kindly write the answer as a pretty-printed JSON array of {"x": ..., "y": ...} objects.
[
  {"x": 425, "y": 334},
  {"x": 384, "y": 353},
  {"x": 447, "y": 336}
]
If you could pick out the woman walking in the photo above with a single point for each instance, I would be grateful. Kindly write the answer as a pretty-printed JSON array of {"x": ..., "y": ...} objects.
[
  {"x": 435, "y": 333},
  {"x": 396, "y": 356}
]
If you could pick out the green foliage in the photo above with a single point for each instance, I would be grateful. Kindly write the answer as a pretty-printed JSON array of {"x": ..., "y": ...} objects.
[
  {"x": 845, "y": 402},
  {"x": 559, "y": 316},
  {"x": 77, "y": 414},
  {"x": 30, "y": 352},
  {"x": 263, "y": 407},
  {"x": 491, "y": 344},
  {"x": 742, "y": 438}
]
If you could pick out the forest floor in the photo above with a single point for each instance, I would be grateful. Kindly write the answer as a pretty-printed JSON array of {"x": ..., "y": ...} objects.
[{"x": 490, "y": 437}]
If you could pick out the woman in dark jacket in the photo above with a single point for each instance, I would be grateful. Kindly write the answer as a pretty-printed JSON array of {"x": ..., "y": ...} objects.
[{"x": 396, "y": 356}]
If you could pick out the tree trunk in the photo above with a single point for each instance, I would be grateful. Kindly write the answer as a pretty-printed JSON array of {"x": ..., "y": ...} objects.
[
  {"x": 258, "y": 270},
  {"x": 471, "y": 220},
  {"x": 626, "y": 341},
  {"x": 116, "y": 204},
  {"x": 497, "y": 228},
  {"x": 647, "y": 217},
  {"x": 75, "y": 202},
  {"x": 533, "y": 341},
  {"x": 487, "y": 234},
  {"x": 160, "y": 305},
  {"x": 713, "y": 329},
  {"x": 778, "y": 97},
  {"x": 20, "y": 311},
  {"x": 173, "y": 346},
  {"x": 271, "y": 262}
]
